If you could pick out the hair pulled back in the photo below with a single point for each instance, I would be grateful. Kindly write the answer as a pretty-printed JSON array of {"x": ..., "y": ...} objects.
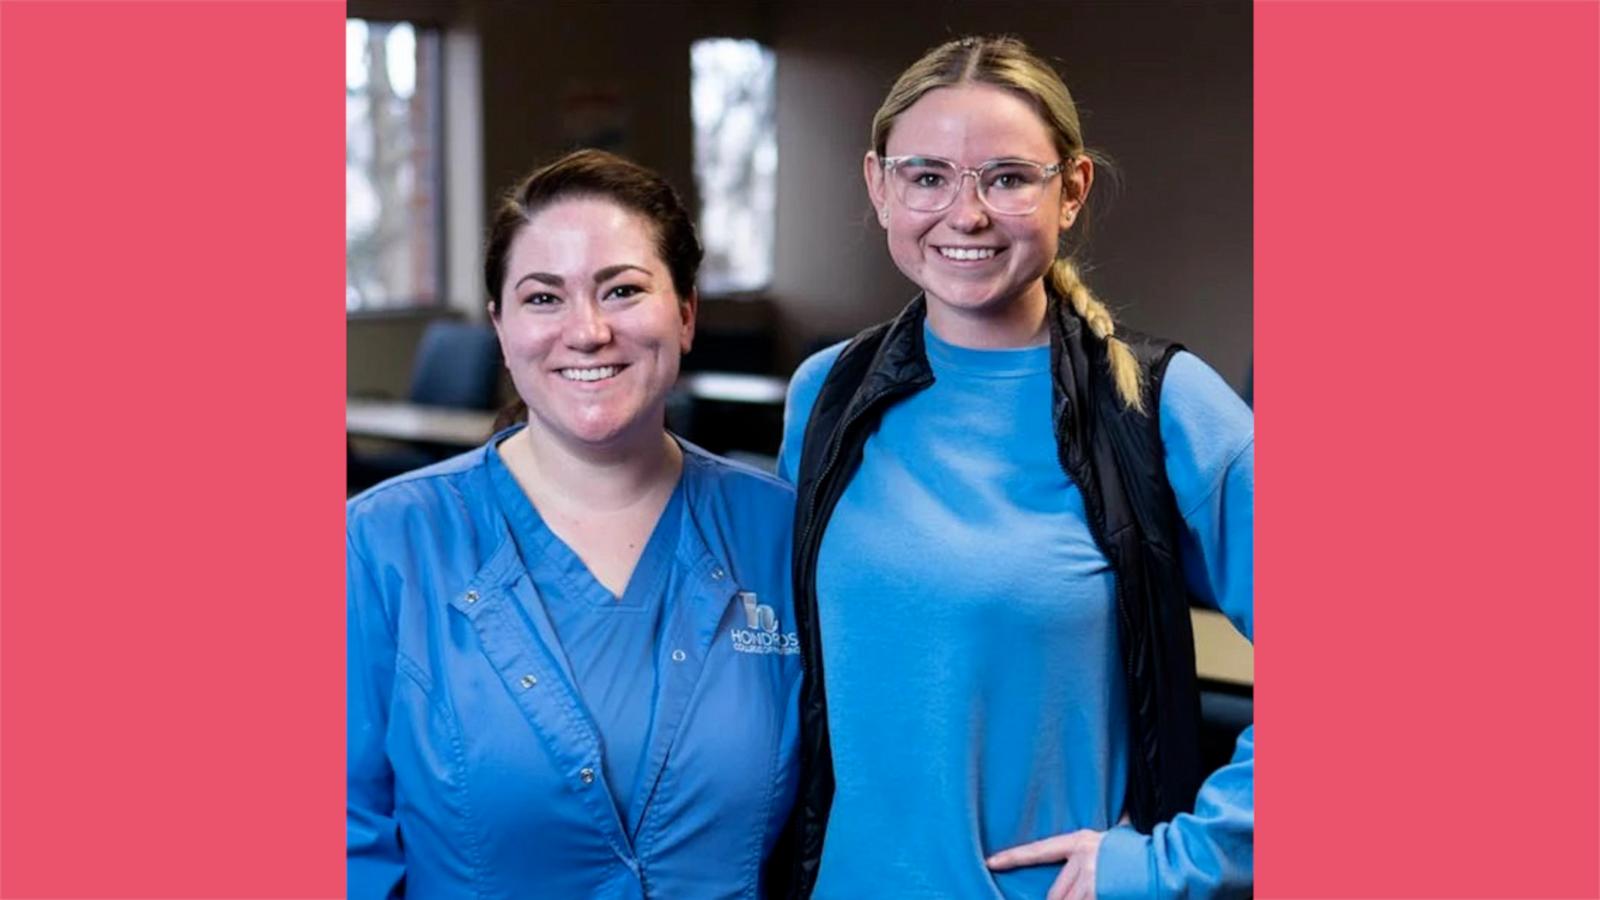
[{"x": 1007, "y": 63}]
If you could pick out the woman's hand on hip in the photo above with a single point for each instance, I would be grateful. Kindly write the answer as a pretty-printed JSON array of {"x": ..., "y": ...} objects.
[{"x": 1077, "y": 849}]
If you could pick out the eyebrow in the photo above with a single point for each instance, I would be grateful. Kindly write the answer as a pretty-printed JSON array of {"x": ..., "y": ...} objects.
[
  {"x": 610, "y": 272},
  {"x": 925, "y": 158},
  {"x": 604, "y": 274}
]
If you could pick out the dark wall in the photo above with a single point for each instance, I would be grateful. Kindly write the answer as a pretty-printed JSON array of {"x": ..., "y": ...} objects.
[
  {"x": 549, "y": 67},
  {"x": 1165, "y": 89}
]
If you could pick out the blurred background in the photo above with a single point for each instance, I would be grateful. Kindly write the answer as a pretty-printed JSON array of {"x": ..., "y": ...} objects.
[{"x": 758, "y": 112}]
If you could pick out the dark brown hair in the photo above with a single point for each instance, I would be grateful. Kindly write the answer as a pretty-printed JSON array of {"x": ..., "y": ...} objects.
[{"x": 595, "y": 173}]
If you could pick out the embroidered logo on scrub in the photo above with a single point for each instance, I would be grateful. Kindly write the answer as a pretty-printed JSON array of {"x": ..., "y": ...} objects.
[{"x": 760, "y": 634}]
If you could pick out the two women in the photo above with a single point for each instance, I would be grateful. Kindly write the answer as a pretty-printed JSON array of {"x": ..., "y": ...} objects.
[
  {"x": 1004, "y": 503},
  {"x": 568, "y": 673},
  {"x": 572, "y": 666}
]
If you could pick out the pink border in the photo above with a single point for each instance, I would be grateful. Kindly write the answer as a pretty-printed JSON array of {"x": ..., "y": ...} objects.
[
  {"x": 1426, "y": 303},
  {"x": 171, "y": 370},
  {"x": 1427, "y": 218}
]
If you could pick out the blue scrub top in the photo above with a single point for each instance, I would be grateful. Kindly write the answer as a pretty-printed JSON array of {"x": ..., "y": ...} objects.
[
  {"x": 612, "y": 644},
  {"x": 488, "y": 753}
]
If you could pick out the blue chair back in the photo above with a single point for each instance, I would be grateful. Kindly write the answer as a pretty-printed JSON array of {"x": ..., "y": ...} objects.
[{"x": 457, "y": 364}]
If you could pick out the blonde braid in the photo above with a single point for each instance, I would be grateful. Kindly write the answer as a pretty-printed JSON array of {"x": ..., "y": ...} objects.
[{"x": 1124, "y": 368}]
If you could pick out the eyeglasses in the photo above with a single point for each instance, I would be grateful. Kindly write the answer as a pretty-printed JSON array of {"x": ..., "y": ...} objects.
[{"x": 1011, "y": 187}]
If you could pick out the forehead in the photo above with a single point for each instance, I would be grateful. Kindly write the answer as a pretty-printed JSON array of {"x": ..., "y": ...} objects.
[
  {"x": 971, "y": 123},
  {"x": 580, "y": 235}
]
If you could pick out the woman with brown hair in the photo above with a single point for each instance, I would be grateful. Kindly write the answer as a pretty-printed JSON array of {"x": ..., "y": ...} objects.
[{"x": 571, "y": 664}]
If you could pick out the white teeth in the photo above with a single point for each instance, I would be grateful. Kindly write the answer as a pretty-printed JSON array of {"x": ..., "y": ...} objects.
[
  {"x": 595, "y": 374},
  {"x": 966, "y": 253}
]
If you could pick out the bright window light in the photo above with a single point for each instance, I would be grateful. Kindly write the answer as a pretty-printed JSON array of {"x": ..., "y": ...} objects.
[
  {"x": 392, "y": 176},
  {"x": 733, "y": 90}
]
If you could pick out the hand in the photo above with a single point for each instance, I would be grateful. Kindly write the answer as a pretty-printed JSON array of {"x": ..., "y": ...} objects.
[{"x": 1076, "y": 881}]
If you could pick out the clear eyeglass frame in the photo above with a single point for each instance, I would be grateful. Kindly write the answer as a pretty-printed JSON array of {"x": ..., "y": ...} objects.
[{"x": 958, "y": 174}]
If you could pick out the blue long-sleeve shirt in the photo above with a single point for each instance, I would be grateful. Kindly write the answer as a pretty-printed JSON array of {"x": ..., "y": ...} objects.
[
  {"x": 975, "y": 693},
  {"x": 481, "y": 750}
]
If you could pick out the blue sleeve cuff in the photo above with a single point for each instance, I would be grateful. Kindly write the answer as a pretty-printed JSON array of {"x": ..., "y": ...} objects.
[{"x": 1122, "y": 867}]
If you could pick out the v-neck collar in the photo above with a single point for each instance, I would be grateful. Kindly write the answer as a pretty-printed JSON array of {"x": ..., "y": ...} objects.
[
  {"x": 519, "y": 638},
  {"x": 543, "y": 551}
]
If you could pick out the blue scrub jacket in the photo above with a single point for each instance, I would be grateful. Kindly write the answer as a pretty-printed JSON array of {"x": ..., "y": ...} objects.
[{"x": 474, "y": 767}]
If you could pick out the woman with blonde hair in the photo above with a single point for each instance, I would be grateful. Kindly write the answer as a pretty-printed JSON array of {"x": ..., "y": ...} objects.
[{"x": 1005, "y": 503}]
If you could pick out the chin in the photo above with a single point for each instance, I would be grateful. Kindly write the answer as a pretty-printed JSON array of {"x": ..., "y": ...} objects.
[
  {"x": 599, "y": 435},
  {"x": 606, "y": 432},
  {"x": 970, "y": 298}
]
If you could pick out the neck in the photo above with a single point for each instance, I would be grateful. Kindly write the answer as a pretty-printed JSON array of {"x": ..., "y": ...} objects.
[
  {"x": 1018, "y": 322},
  {"x": 613, "y": 479}
]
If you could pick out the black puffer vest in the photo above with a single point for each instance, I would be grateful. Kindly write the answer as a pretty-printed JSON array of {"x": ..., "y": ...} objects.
[{"x": 1114, "y": 456}]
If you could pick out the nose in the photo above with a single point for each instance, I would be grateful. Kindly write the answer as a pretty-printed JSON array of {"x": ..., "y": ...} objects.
[
  {"x": 967, "y": 212},
  {"x": 586, "y": 327}
]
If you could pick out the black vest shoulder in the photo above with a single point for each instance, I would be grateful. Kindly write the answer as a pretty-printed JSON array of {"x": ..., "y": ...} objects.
[{"x": 1115, "y": 456}]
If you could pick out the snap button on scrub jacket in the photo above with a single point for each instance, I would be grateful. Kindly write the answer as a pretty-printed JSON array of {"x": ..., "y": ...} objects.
[{"x": 476, "y": 766}]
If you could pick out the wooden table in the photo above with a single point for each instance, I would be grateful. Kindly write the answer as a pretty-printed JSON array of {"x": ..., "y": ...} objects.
[
  {"x": 1220, "y": 652},
  {"x": 735, "y": 387},
  {"x": 422, "y": 424}
]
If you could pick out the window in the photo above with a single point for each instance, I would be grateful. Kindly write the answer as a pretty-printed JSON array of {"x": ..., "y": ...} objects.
[
  {"x": 394, "y": 234},
  {"x": 733, "y": 89}
]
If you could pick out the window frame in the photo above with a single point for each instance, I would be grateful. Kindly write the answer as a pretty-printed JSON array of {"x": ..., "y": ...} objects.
[
  {"x": 434, "y": 31},
  {"x": 764, "y": 289}
]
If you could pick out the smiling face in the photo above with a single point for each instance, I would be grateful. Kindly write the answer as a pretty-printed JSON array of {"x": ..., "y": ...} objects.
[
  {"x": 590, "y": 324},
  {"x": 979, "y": 268}
]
